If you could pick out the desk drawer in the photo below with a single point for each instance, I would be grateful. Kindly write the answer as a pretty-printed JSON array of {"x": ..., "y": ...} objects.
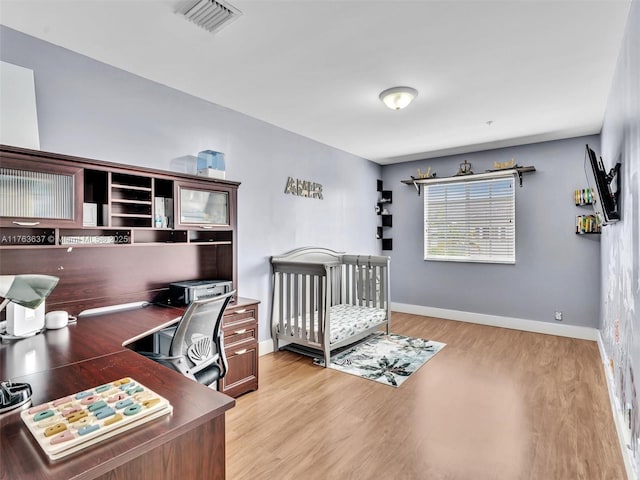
[
  {"x": 238, "y": 315},
  {"x": 240, "y": 333}
]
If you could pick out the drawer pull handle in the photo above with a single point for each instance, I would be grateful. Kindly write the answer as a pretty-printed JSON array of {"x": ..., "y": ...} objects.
[
  {"x": 240, "y": 352},
  {"x": 241, "y": 311},
  {"x": 241, "y": 331},
  {"x": 27, "y": 224}
]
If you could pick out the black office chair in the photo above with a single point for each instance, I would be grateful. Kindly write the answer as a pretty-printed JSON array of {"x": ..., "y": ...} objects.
[{"x": 195, "y": 347}]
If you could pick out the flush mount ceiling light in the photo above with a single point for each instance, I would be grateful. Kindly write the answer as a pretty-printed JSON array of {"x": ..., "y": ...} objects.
[
  {"x": 398, "y": 97},
  {"x": 211, "y": 15}
]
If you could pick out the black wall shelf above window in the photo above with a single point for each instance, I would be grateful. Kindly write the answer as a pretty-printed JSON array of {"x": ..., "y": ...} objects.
[{"x": 416, "y": 182}]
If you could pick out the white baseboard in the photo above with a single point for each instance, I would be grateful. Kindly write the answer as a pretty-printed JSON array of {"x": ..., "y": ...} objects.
[
  {"x": 559, "y": 329},
  {"x": 618, "y": 416},
  {"x": 265, "y": 347}
]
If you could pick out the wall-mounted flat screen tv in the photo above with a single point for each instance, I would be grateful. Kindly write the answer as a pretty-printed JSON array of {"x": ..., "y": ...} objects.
[{"x": 608, "y": 198}]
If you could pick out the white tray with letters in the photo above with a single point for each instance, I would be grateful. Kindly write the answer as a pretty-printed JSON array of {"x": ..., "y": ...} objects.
[{"x": 69, "y": 424}]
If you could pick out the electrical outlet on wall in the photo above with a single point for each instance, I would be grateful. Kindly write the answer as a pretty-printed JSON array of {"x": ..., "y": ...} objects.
[{"x": 559, "y": 316}]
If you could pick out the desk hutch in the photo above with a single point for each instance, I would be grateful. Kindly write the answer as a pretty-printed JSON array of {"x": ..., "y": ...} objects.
[{"x": 116, "y": 234}]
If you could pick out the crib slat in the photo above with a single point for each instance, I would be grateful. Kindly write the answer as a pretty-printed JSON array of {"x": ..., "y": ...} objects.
[
  {"x": 345, "y": 284},
  {"x": 303, "y": 308},
  {"x": 321, "y": 315},
  {"x": 281, "y": 303},
  {"x": 371, "y": 296},
  {"x": 362, "y": 293},
  {"x": 309, "y": 307},
  {"x": 317, "y": 312},
  {"x": 360, "y": 285},
  {"x": 368, "y": 282},
  {"x": 285, "y": 302},
  {"x": 383, "y": 287},
  {"x": 296, "y": 307},
  {"x": 335, "y": 285},
  {"x": 289, "y": 304},
  {"x": 354, "y": 285},
  {"x": 375, "y": 287}
]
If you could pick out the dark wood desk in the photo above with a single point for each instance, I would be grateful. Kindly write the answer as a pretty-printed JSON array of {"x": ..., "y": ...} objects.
[{"x": 187, "y": 444}]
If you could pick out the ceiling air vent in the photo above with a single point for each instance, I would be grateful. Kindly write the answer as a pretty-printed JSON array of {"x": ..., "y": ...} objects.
[{"x": 211, "y": 15}]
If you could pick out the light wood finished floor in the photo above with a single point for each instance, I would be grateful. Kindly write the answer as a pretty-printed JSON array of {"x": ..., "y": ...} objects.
[{"x": 493, "y": 404}]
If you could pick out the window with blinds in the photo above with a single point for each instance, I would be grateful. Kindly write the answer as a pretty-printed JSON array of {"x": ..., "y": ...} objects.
[{"x": 470, "y": 221}]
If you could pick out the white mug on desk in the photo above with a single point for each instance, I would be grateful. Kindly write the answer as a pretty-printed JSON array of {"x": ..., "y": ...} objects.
[{"x": 56, "y": 319}]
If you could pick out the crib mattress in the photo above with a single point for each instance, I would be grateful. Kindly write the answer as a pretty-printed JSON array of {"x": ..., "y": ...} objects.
[{"x": 349, "y": 320}]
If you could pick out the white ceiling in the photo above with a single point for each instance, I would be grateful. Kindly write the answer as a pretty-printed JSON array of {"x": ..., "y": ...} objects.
[{"x": 539, "y": 70}]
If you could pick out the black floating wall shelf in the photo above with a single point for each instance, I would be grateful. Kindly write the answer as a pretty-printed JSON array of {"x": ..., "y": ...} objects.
[
  {"x": 386, "y": 219},
  {"x": 416, "y": 182}
]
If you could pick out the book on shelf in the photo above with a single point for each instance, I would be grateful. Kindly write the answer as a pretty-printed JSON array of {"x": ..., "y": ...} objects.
[
  {"x": 583, "y": 196},
  {"x": 588, "y": 224}
]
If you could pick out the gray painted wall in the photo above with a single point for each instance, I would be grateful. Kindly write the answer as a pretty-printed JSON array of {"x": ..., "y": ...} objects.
[
  {"x": 620, "y": 297},
  {"x": 555, "y": 268},
  {"x": 90, "y": 109}
]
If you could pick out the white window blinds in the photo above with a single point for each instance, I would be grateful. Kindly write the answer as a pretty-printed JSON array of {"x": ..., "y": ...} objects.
[{"x": 470, "y": 221}]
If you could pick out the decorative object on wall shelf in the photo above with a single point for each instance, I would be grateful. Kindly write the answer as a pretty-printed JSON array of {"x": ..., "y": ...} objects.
[
  {"x": 386, "y": 198},
  {"x": 465, "y": 169},
  {"x": 426, "y": 174},
  {"x": 303, "y": 188},
  {"x": 502, "y": 165}
]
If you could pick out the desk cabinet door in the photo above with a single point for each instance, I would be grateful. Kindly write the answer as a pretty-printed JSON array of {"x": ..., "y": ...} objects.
[
  {"x": 200, "y": 205},
  {"x": 35, "y": 194},
  {"x": 242, "y": 376}
]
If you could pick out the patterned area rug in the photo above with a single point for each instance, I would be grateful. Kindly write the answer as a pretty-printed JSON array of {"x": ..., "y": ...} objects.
[{"x": 388, "y": 359}]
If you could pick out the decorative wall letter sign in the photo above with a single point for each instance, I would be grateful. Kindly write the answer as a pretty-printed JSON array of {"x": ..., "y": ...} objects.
[{"x": 303, "y": 188}]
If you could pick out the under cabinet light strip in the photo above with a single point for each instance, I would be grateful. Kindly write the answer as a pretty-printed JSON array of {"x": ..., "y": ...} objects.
[{"x": 112, "y": 308}]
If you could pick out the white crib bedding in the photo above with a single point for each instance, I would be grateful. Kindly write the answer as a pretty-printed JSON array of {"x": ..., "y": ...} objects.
[{"x": 348, "y": 320}]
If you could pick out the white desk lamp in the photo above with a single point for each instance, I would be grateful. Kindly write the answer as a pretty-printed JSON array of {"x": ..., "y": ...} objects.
[
  {"x": 24, "y": 298},
  {"x": 24, "y": 295}
]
